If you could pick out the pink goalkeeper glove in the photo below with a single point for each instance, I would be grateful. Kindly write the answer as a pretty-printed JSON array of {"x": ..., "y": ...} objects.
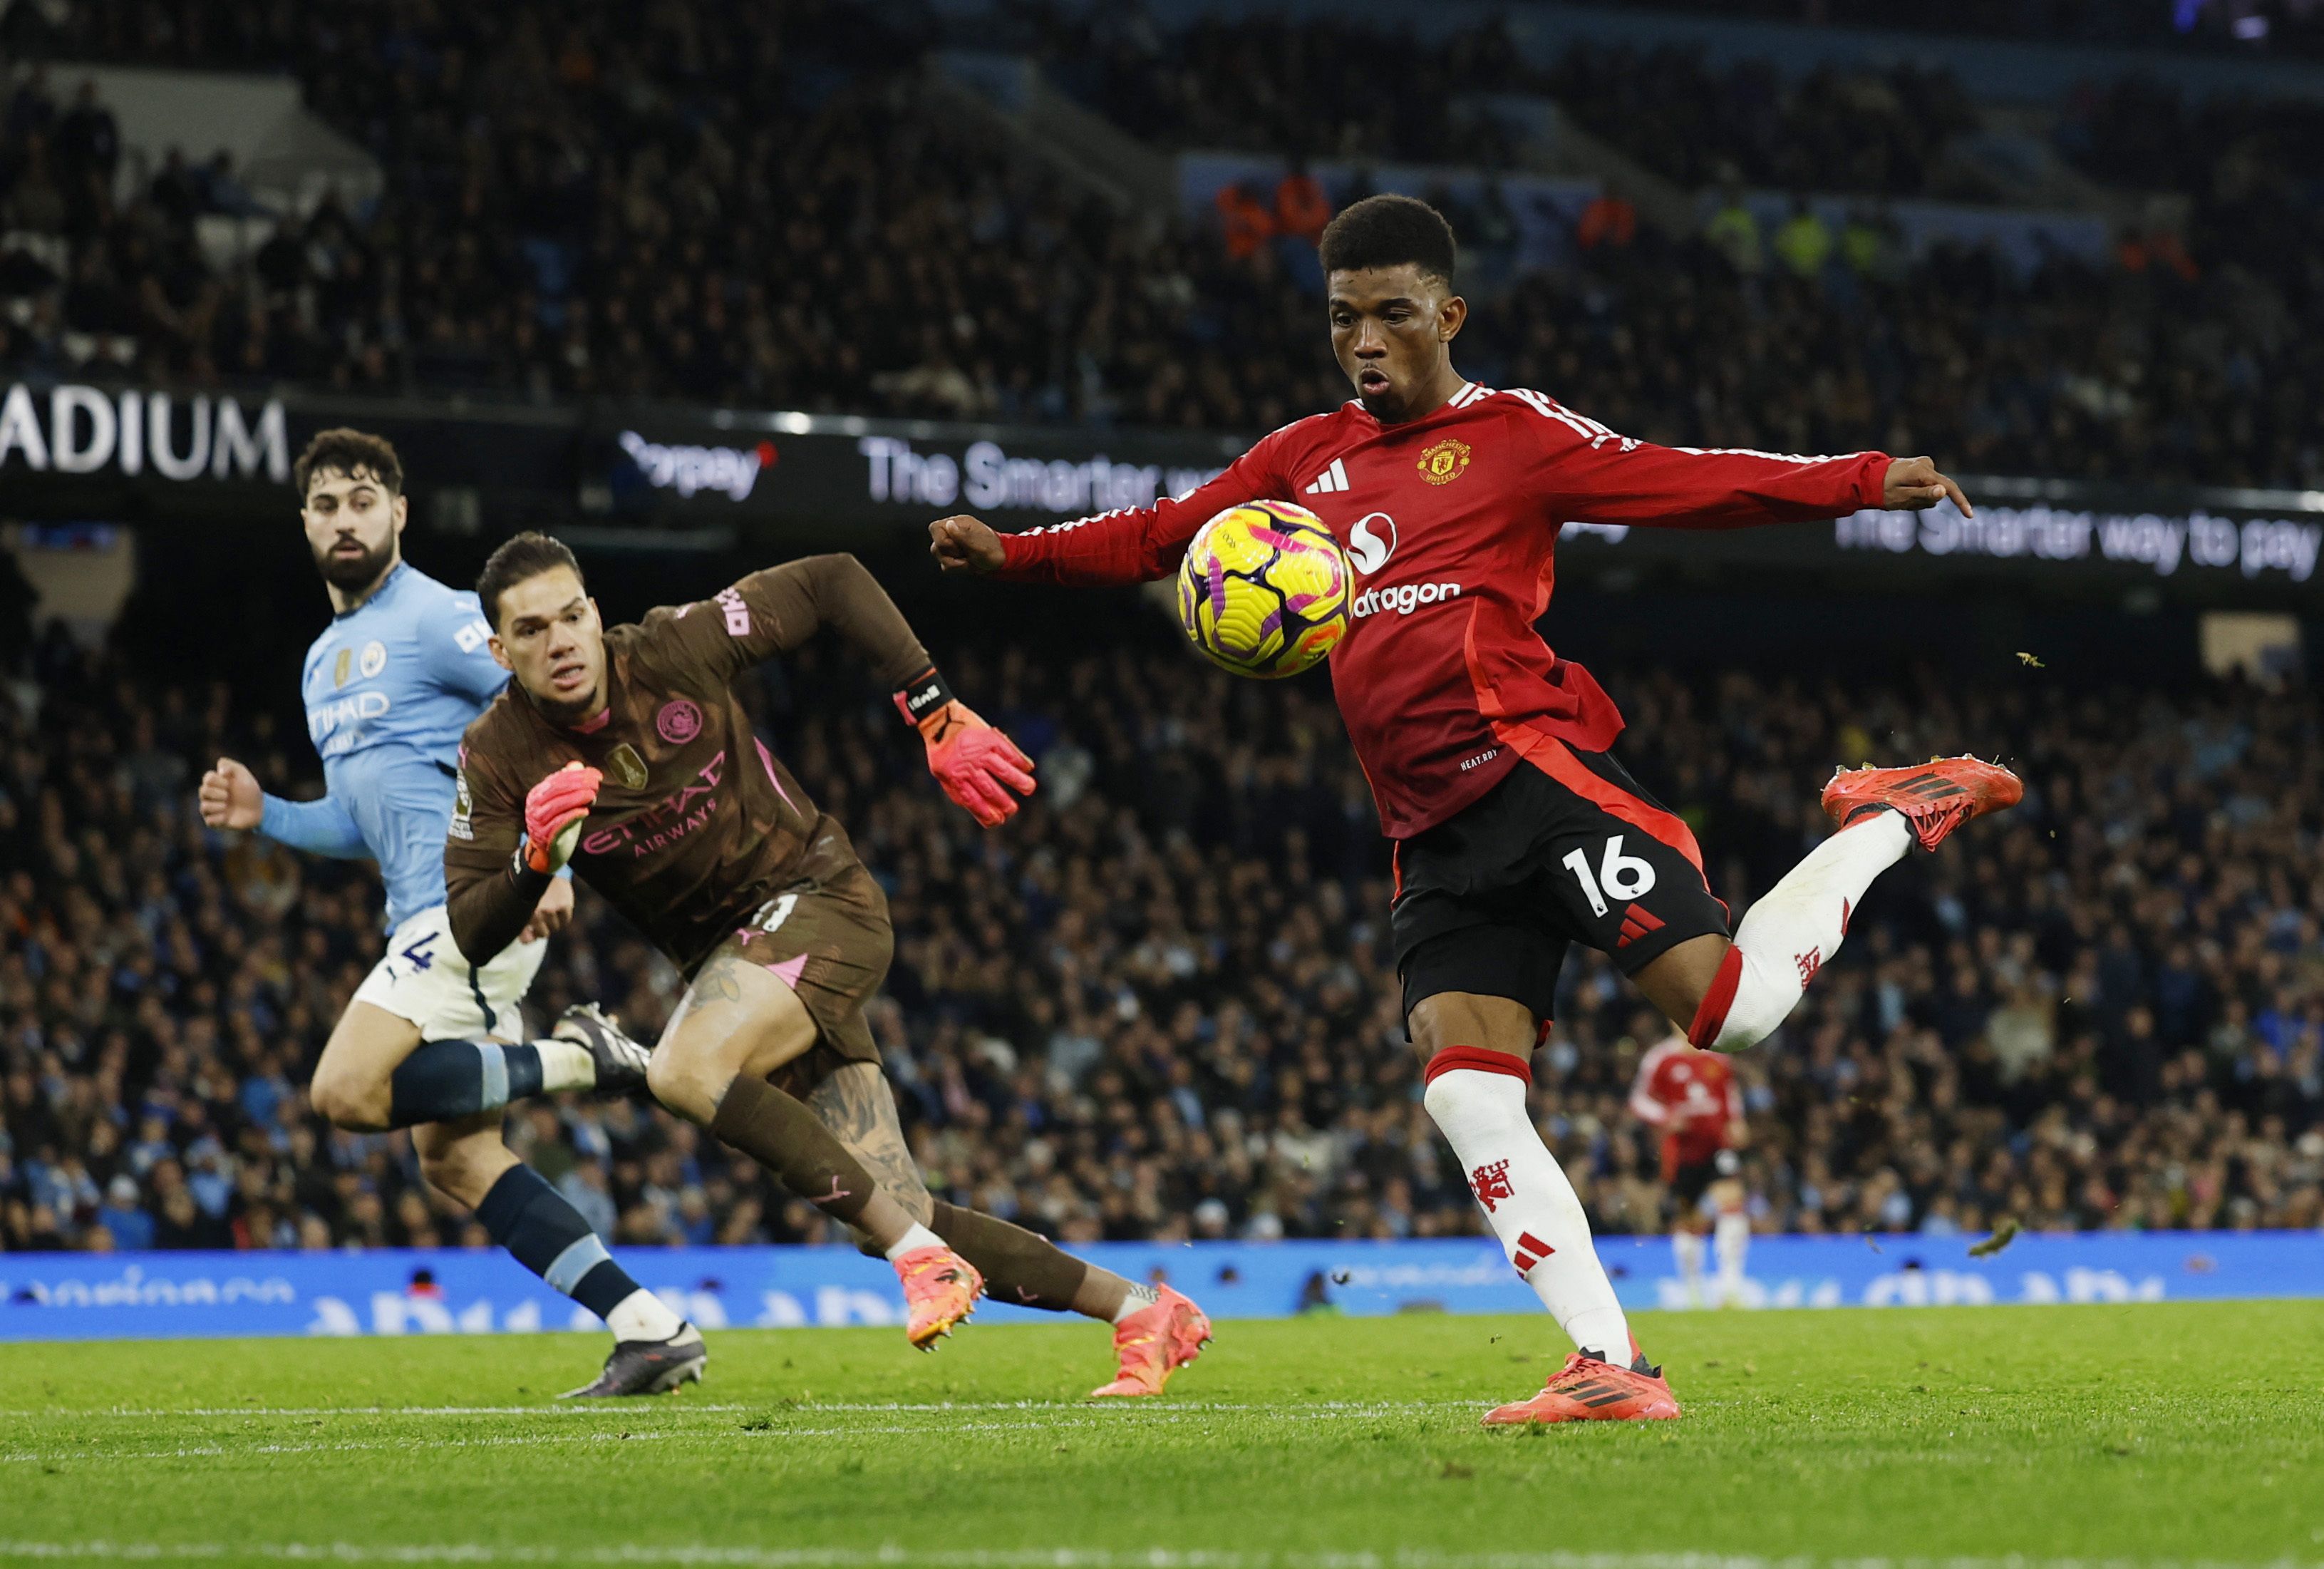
[
  {"x": 554, "y": 811},
  {"x": 970, "y": 757}
]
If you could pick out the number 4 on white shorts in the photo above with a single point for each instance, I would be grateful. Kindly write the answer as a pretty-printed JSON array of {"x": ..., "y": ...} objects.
[{"x": 1625, "y": 877}]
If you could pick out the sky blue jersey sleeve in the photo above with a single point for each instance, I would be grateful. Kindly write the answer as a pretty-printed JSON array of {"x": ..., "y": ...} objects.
[
  {"x": 454, "y": 640},
  {"x": 318, "y": 827}
]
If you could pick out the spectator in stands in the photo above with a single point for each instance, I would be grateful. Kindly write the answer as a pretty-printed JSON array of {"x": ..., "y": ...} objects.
[
  {"x": 1733, "y": 231},
  {"x": 1301, "y": 207},
  {"x": 1246, "y": 220},
  {"x": 1609, "y": 220},
  {"x": 88, "y": 140},
  {"x": 1869, "y": 246},
  {"x": 1804, "y": 243}
]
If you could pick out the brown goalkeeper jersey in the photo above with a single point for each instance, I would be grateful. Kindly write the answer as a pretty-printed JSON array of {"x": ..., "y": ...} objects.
[{"x": 697, "y": 823}]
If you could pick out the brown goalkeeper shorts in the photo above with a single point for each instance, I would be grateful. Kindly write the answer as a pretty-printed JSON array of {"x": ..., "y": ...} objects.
[{"x": 827, "y": 935}]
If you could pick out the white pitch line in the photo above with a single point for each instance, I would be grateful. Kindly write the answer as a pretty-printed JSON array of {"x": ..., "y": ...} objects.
[
  {"x": 776, "y": 1404},
  {"x": 894, "y": 1555},
  {"x": 1082, "y": 1419}
]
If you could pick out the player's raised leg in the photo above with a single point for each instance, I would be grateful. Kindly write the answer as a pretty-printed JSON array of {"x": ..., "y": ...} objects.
[
  {"x": 363, "y": 1081},
  {"x": 738, "y": 1023},
  {"x": 1727, "y": 995},
  {"x": 1478, "y": 1049},
  {"x": 1157, "y": 1330}
]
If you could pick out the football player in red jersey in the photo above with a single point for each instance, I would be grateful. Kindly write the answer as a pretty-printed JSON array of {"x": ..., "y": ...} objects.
[
  {"x": 1516, "y": 832},
  {"x": 1693, "y": 1097}
]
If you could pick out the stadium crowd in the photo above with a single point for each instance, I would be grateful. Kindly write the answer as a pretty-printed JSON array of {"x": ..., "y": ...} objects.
[
  {"x": 715, "y": 203},
  {"x": 1323, "y": 89},
  {"x": 1159, "y": 1004}
]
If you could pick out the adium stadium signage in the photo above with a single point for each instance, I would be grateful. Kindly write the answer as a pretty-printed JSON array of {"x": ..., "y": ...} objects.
[{"x": 69, "y": 429}]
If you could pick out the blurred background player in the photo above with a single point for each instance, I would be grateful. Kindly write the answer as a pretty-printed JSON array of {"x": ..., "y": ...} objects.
[
  {"x": 1692, "y": 1096},
  {"x": 1516, "y": 831},
  {"x": 430, "y": 1043},
  {"x": 626, "y": 754}
]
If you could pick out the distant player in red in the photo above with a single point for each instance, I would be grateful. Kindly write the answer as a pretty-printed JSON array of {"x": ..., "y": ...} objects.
[
  {"x": 1516, "y": 832},
  {"x": 1693, "y": 1097}
]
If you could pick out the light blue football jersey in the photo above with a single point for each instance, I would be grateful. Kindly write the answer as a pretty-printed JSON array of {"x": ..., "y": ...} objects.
[{"x": 389, "y": 688}]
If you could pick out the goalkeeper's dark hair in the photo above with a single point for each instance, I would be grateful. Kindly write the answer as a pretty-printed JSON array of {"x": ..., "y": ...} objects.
[
  {"x": 520, "y": 556},
  {"x": 1388, "y": 231},
  {"x": 354, "y": 453}
]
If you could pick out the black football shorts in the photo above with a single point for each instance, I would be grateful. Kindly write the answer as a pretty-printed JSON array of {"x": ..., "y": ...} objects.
[
  {"x": 1566, "y": 849},
  {"x": 1691, "y": 1179}
]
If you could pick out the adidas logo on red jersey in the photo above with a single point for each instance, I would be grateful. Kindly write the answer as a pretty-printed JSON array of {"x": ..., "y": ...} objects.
[
  {"x": 1332, "y": 479},
  {"x": 1637, "y": 921}
]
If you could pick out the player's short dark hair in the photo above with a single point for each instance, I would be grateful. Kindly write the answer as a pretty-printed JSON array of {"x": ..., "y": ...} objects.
[
  {"x": 1387, "y": 231},
  {"x": 350, "y": 452},
  {"x": 519, "y": 558}
]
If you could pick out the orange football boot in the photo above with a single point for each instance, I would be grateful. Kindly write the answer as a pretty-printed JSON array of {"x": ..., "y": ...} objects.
[
  {"x": 1934, "y": 797},
  {"x": 1587, "y": 1389},
  {"x": 1154, "y": 1343},
  {"x": 941, "y": 1289}
]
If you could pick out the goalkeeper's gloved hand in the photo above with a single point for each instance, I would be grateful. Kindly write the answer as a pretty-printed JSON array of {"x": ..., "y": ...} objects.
[
  {"x": 970, "y": 757},
  {"x": 554, "y": 811}
]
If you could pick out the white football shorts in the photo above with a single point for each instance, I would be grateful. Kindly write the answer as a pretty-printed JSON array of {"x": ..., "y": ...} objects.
[{"x": 424, "y": 978}]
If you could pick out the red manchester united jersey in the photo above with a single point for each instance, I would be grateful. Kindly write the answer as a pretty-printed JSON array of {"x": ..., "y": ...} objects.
[
  {"x": 1692, "y": 1096},
  {"x": 1451, "y": 523}
]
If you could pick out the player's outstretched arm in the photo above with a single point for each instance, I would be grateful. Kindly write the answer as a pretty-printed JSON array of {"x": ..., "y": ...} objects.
[
  {"x": 800, "y": 598},
  {"x": 1129, "y": 545},
  {"x": 784, "y": 606},
  {"x": 229, "y": 797},
  {"x": 1590, "y": 474}
]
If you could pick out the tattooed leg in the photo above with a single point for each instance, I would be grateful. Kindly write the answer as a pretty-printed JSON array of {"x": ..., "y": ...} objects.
[
  {"x": 736, "y": 1024},
  {"x": 736, "y": 1018},
  {"x": 856, "y": 1103}
]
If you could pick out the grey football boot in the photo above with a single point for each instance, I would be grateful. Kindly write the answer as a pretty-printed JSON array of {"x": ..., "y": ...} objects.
[
  {"x": 647, "y": 1367},
  {"x": 620, "y": 1061}
]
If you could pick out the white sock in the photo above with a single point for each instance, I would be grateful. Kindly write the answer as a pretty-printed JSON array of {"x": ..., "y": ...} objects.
[
  {"x": 919, "y": 1236},
  {"x": 1793, "y": 931},
  {"x": 1480, "y": 1107},
  {"x": 1687, "y": 1247},
  {"x": 566, "y": 1065},
  {"x": 641, "y": 1314},
  {"x": 1732, "y": 1243},
  {"x": 1136, "y": 1299}
]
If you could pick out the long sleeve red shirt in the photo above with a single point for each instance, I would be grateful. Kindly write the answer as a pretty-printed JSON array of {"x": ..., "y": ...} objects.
[{"x": 1451, "y": 523}]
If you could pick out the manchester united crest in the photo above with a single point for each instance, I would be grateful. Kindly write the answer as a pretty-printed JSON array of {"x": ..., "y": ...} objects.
[{"x": 1445, "y": 462}]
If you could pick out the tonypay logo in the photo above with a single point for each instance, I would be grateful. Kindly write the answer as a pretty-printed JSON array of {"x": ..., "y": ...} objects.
[
  {"x": 730, "y": 471},
  {"x": 1402, "y": 599},
  {"x": 1369, "y": 547}
]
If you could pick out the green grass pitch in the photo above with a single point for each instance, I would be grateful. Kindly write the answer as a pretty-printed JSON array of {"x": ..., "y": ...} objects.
[{"x": 2140, "y": 1433}]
